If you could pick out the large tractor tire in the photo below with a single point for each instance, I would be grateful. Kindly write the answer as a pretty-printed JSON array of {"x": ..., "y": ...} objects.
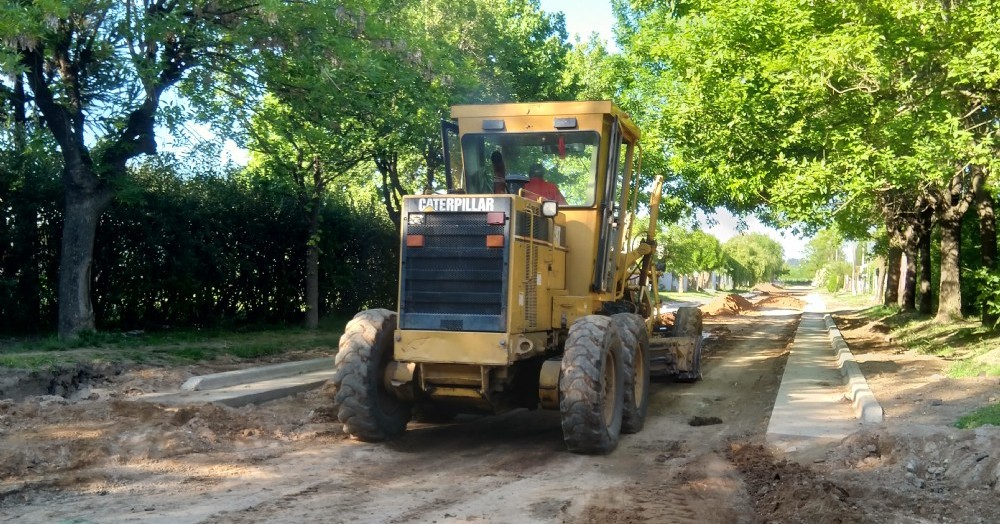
[
  {"x": 367, "y": 409},
  {"x": 592, "y": 386},
  {"x": 687, "y": 323},
  {"x": 635, "y": 343}
]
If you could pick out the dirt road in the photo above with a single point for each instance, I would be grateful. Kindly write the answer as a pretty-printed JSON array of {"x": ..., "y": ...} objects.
[
  {"x": 285, "y": 462},
  {"x": 701, "y": 458}
]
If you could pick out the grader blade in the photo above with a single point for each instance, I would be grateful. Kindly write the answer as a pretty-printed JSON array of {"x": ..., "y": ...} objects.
[{"x": 676, "y": 357}]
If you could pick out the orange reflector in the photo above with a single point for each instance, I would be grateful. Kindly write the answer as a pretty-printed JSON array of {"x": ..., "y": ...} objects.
[
  {"x": 496, "y": 218},
  {"x": 414, "y": 241},
  {"x": 494, "y": 240}
]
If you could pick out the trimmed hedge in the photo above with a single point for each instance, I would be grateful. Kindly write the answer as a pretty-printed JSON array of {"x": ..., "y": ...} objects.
[{"x": 193, "y": 252}]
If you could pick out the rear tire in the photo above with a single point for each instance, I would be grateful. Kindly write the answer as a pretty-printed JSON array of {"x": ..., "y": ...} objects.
[
  {"x": 592, "y": 385},
  {"x": 369, "y": 412},
  {"x": 688, "y": 323},
  {"x": 635, "y": 345}
]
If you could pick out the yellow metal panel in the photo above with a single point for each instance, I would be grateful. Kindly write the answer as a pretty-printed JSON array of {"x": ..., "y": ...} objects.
[
  {"x": 571, "y": 308},
  {"x": 531, "y": 123},
  {"x": 449, "y": 393},
  {"x": 581, "y": 240},
  {"x": 534, "y": 276},
  {"x": 571, "y": 108},
  {"x": 546, "y": 109},
  {"x": 451, "y": 347},
  {"x": 452, "y": 375}
]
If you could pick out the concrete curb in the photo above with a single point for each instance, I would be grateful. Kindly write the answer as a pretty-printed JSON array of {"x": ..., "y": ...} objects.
[
  {"x": 238, "y": 395},
  {"x": 256, "y": 374},
  {"x": 866, "y": 406}
]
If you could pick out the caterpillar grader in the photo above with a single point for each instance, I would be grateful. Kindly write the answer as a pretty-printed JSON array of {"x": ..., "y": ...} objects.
[{"x": 510, "y": 298}]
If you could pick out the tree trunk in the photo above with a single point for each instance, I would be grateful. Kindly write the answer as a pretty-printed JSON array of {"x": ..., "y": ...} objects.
[
  {"x": 312, "y": 268},
  {"x": 891, "y": 296},
  {"x": 910, "y": 242},
  {"x": 924, "y": 296},
  {"x": 950, "y": 291},
  {"x": 908, "y": 272},
  {"x": 392, "y": 190},
  {"x": 76, "y": 259},
  {"x": 988, "y": 237},
  {"x": 952, "y": 203},
  {"x": 312, "y": 245},
  {"x": 880, "y": 281},
  {"x": 312, "y": 286}
]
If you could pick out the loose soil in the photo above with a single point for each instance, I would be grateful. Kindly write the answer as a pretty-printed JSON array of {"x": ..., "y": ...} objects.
[
  {"x": 768, "y": 287},
  {"x": 94, "y": 454},
  {"x": 727, "y": 305}
]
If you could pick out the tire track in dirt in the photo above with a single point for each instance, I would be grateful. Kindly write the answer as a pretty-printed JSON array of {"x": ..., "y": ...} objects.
[
  {"x": 511, "y": 468},
  {"x": 688, "y": 477}
]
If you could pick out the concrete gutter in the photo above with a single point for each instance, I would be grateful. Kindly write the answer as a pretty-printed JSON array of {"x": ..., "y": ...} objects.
[
  {"x": 242, "y": 394},
  {"x": 866, "y": 406},
  {"x": 248, "y": 386},
  {"x": 809, "y": 405},
  {"x": 256, "y": 374}
]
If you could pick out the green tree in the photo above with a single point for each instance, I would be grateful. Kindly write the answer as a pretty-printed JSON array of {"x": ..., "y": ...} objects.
[
  {"x": 815, "y": 113},
  {"x": 688, "y": 252},
  {"x": 825, "y": 247},
  {"x": 397, "y": 67},
  {"x": 479, "y": 51},
  {"x": 98, "y": 72},
  {"x": 753, "y": 258}
]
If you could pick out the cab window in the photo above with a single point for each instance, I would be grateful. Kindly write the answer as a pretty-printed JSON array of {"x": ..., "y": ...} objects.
[{"x": 569, "y": 160}]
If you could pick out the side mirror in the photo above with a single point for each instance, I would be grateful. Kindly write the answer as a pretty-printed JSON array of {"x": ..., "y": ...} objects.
[{"x": 550, "y": 208}]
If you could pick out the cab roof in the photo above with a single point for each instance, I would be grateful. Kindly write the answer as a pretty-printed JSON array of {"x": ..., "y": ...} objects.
[{"x": 562, "y": 109}]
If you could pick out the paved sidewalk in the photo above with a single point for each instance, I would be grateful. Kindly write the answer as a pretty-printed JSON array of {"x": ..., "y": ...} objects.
[{"x": 810, "y": 404}]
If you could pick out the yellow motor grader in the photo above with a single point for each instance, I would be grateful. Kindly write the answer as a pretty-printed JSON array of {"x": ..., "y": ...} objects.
[{"x": 522, "y": 285}]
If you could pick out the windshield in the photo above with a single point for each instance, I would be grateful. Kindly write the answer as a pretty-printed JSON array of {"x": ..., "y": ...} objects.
[{"x": 566, "y": 159}]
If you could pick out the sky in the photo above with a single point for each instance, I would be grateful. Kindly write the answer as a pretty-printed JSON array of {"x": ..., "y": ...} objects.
[{"x": 584, "y": 17}]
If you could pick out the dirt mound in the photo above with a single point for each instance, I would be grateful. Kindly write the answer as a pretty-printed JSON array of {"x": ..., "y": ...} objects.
[
  {"x": 768, "y": 287},
  {"x": 783, "y": 491},
  {"x": 728, "y": 305},
  {"x": 781, "y": 301}
]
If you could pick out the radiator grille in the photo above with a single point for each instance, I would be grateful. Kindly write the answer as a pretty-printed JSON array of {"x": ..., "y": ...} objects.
[
  {"x": 536, "y": 225},
  {"x": 454, "y": 282},
  {"x": 531, "y": 224}
]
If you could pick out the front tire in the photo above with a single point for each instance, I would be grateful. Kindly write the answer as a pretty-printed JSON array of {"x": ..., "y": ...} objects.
[
  {"x": 635, "y": 345},
  {"x": 592, "y": 385},
  {"x": 368, "y": 411}
]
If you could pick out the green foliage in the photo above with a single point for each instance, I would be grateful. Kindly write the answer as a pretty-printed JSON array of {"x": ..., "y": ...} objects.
[
  {"x": 686, "y": 251},
  {"x": 986, "y": 415},
  {"x": 833, "y": 275},
  {"x": 211, "y": 250},
  {"x": 753, "y": 258},
  {"x": 823, "y": 248},
  {"x": 810, "y": 111},
  {"x": 30, "y": 223},
  {"x": 987, "y": 282}
]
